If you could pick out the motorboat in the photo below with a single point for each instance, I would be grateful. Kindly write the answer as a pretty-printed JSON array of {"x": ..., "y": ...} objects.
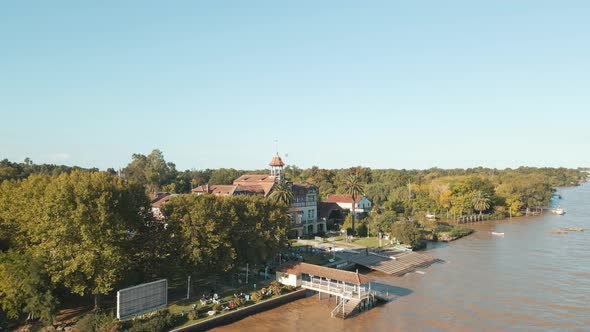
[{"x": 498, "y": 233}]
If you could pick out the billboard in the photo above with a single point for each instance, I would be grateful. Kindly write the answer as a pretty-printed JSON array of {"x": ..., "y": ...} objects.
[{"x": 142, "y": 298}]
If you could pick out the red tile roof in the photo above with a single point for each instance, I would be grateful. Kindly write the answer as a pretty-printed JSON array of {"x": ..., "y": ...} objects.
[
  {"x": 276, "y": 161},
  {"x": 326, "y": 272},
  {"x": 342, "y": 199},
  {"x": 159, "y": 199}
]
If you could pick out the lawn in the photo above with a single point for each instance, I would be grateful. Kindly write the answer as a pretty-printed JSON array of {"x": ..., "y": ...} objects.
[{"x": 369, "y": 242}]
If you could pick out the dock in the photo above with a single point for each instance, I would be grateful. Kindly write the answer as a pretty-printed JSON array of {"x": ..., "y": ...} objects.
[
  {"x": 351, "y": 290},
  {"x": 396, "y": 265}
]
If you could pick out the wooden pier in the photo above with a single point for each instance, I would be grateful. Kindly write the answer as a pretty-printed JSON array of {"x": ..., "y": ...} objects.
[
  {"x": 352, "y": 290},
  {"x": 397, "y": 265}
]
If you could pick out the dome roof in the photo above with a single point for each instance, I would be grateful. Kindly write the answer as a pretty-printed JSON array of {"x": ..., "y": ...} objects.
[{"x": 276, "y": 161}]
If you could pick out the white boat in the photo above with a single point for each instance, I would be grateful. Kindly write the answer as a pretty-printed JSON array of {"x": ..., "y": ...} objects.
[
  {"x": 497, "y": 233},
  {"x": 560, "y": 211}
]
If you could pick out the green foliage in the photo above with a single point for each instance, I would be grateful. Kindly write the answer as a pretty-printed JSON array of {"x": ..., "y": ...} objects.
[
  {"x": 97, "y": 322},
  {"x": 78, "y": 224},
  {"x": 219, "y": 233},
  {"x": 160, "y": 321},
  {"x": 460, "y": 231},
  {"x": 25, "y": 287},
  {"x": 406, "y": 232},
  {"x": 281, "y": 193},
  {"x": 256, "y": 296},
  {"x": 276, "y": 287},
  {"x": 216, "y": 307}
]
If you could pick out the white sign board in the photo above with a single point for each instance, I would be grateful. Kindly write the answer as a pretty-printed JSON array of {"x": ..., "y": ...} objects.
[{"x": 142, "y": 298}]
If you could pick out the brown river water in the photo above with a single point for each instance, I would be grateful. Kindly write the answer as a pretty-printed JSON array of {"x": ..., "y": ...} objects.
[{"x": 528, "y": 280}]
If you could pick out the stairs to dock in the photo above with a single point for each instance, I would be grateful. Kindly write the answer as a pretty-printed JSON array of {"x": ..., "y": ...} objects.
[{"x": 345, "y": 308}]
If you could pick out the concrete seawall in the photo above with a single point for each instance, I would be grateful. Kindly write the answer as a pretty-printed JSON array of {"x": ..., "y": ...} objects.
[{"x": 233, "y": 316}]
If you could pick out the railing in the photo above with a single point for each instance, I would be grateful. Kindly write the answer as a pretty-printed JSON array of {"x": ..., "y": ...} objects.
[
  {"x": 347, "y": 291},
  {"x": 303, "y": 204},
  {"x": 339, "y": 307}
]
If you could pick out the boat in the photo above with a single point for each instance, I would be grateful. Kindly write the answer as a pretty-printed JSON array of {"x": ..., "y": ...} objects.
[
  {"x": 574, "y": 229},
  {"x": 498, "y": 233},
  {"x": 557, "y": 231},
  {"x": 559, "y": 210}
]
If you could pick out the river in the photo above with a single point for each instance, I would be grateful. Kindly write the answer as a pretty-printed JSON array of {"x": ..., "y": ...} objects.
[{"x": 528, "y": 280}]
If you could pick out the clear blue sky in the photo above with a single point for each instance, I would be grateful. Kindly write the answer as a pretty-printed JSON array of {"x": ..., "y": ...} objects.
[{"x": 392, "y": 84}]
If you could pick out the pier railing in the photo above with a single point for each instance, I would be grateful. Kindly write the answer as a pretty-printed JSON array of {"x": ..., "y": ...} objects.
[{"x": 340, "y": 288}]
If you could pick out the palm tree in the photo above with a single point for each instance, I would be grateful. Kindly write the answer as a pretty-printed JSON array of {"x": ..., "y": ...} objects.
[
  {"x": 282, "y": 193},
  {"x": 481, "y": 201},
  {"x": 354, "y": 188}
]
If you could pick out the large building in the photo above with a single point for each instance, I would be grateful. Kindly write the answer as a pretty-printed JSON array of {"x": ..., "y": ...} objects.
[{"x": 303, "y": 209}]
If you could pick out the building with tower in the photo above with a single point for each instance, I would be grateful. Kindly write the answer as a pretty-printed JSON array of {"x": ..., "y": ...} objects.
[{"x": 303, "y": 209}]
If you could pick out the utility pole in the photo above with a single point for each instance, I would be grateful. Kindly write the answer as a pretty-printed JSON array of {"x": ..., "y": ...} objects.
[
  {"x": 188, "y": 288},
  {"x": 246, "y": 273}
]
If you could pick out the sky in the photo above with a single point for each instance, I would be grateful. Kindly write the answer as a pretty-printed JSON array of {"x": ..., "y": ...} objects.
[{"x": 382, "y": 84}]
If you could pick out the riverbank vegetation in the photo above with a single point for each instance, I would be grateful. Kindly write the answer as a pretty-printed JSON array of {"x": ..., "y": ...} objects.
[
  {"x": 84, "y": 234},
  {"x": 73, "y": 235}
]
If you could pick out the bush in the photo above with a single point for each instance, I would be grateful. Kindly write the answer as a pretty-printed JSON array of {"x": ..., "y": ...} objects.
[
  {"x": 276, "y": 287},
  {"x": 443, "y": 228},
  {"x": 460, "y": 231},
  {"x": 160, "y": 321},
  {"x": 239, "y": 302},
  {"x": 256, "y": 296},
  {"x": 97, "y": 322},
  {"x": 216, "y": 307},
  {"x": 193, "y": 315}
]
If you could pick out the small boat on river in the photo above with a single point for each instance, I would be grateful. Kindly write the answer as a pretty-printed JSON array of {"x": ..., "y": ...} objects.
[
  {"x": 559, "y": 210},
  {"x": 574, "y": 229},
  {"x": 497, "y": 233}
]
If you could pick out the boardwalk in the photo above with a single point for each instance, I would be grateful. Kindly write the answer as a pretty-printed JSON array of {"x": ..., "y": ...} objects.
[{"x": 397, "y": 266}]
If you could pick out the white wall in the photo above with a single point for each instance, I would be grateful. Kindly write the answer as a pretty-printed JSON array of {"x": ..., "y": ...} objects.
[{"x": 288, "y": 279}]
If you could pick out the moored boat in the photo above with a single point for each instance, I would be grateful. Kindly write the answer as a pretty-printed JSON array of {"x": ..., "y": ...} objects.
[{"x": 498, "y": 233}]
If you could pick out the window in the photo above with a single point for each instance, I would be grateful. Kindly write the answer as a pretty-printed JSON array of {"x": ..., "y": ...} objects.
[{"x": 310, "y": 214}]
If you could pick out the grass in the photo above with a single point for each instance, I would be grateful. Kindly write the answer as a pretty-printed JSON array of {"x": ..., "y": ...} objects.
[{"x": 369, "y": 242}]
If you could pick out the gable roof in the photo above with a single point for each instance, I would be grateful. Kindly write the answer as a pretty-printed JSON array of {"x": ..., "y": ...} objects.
[
  {"x": 342, "y": 199},
  {"x": 322, "y": 271}
]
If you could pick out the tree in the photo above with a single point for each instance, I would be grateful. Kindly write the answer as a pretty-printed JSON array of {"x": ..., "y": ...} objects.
[
  {"x": 282, "y": 193},
  {"x": 25, "y": 287},
  {"x": 152, "y": 170},
  {"x": 354, "y": 188},
  {"x": 215, "y": 234},
  {"x": 481, "y": 201},
  {"x": 406, "y": 232},
  {"x": 81, "y": 224}
]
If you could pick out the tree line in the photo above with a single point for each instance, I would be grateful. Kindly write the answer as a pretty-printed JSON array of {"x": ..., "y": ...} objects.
[{"x": 89, "y": 233}]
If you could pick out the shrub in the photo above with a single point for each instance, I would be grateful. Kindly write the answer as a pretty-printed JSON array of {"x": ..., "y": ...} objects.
[
  {"x": 193, "y": 315},
  {"x": 160, "y": 321},
  {"x": 239, "y": 302},
  {"x": 216, "y": 307},
  {"x": 256, "y": 296},
  {"x": 97, "y": 322},
  {"x": 460, "y": 231},
  {"x": 276, "y": 287}
]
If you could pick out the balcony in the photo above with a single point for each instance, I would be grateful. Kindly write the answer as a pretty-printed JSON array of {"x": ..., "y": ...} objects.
[{"x": 303, "y": 204}]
